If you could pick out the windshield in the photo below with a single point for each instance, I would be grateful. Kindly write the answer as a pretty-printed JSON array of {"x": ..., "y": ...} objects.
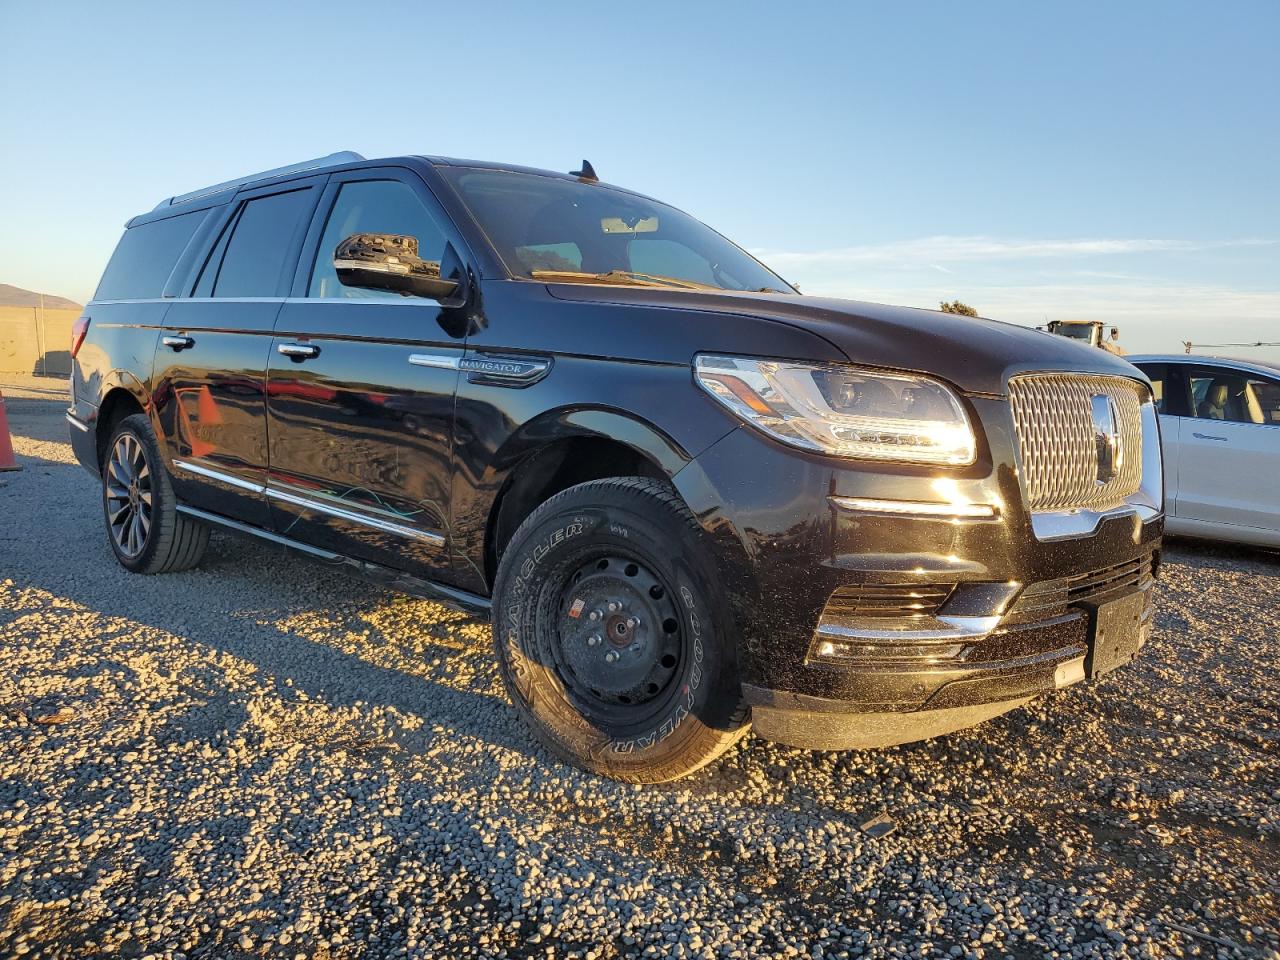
[
  {"x": 1076, "y": 331},
  {"x": 567, "y": 231}
]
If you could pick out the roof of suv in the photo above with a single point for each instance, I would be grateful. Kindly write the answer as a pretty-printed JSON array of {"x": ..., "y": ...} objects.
[
  {"x": 316, "y": 165},
  {"x": 1260, "y": 366},
  {"x": 218, "y": 192},
  {"x": 493, "y": 165}
]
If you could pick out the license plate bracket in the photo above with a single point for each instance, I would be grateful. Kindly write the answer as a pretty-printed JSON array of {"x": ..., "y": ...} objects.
[{"x": 1120, "y": 628}]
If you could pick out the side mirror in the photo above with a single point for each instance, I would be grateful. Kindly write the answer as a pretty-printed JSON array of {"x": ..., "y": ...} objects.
[{"x": 376, "y": 261}]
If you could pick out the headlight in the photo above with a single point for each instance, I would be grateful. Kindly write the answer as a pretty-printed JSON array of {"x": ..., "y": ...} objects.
[{"x": 843, "y": 410}]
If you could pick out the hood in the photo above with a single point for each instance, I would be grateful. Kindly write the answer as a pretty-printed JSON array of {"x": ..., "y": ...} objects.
[{"x": 975, "y": 354}]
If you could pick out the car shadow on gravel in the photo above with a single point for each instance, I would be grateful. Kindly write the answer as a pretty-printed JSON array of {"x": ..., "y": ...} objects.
[
  {"x": 1221, "y": 556},
  {"x": 234, "y": 604}
]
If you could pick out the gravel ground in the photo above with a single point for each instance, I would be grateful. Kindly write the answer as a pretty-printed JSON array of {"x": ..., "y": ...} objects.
[{"x": 264, "y": 758}]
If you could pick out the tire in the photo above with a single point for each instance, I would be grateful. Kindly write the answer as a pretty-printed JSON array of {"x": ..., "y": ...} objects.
[
  {"x": 644, "y": 691},
  {"x": 144, "y": 528}
]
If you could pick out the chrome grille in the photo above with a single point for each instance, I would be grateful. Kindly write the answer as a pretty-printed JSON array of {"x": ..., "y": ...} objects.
[{"x": 1053, "y": 414}]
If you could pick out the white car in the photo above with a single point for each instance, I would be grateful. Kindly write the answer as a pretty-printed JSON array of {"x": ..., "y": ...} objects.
[{"x": 1220, "y": 434}]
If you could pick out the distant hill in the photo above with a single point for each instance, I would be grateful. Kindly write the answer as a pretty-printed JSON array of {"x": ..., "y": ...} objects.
[{"x": 11, "y": 296}]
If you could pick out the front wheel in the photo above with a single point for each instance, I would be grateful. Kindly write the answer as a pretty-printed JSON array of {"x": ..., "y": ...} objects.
[
  {"x": 145, "y": 529},
  {"x": 612, "y": 640}
]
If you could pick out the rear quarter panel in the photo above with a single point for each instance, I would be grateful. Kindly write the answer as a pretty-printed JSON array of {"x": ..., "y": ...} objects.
[{"x": 117, "y": 353}]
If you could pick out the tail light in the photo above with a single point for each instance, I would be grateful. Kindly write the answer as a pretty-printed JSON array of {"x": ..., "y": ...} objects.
[{"x": 78, "y": 331}]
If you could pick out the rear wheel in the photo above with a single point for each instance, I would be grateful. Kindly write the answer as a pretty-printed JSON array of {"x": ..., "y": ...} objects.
[
  {"x": 613, "y": 642},
  {"x": 144, "y": 528}
]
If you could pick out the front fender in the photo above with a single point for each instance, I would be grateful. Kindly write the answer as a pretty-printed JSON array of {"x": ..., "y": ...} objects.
[{"x": 604, "y": 422}]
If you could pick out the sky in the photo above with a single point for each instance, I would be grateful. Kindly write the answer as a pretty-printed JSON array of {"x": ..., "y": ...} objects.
[{"x": 1080, "y": 160}]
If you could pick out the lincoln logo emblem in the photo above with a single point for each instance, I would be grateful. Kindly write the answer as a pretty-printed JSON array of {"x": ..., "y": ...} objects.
[{"x": 1106, "y": 435}]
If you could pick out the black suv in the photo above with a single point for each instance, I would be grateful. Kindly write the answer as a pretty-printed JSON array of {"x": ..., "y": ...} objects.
[{"x": 690, "y": 498}]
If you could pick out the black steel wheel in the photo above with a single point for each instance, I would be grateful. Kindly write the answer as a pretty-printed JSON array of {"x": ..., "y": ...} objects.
[
  {"x": 619, "y": 639},
  {"x": 145, "y": 530},
  {"x": 613, "y": 641}
]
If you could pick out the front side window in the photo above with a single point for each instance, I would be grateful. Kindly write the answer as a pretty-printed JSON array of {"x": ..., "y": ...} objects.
[
  {"x": 568, "y": 231},
  {"x": 373, "y": 206},
  {"x": 261, "y": 242},
  {"x": 1218, "y": 393}
]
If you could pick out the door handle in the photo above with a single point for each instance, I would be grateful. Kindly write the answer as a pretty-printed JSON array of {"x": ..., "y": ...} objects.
[
  {"x": 178, "y": 343},
  {"x": 1206, "y": 436},
  {"x": 297, "y": 352}
]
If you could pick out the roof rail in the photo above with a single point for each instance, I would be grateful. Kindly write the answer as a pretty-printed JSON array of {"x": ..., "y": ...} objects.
[{"x": 333, "y": 159}]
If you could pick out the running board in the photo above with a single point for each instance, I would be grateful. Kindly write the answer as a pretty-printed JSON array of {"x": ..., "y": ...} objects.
[{"x": 373, "y": 572}]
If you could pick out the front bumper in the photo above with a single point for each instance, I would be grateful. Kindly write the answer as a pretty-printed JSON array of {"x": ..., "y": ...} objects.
[
  {"x": 889, "y": 704},
  {"x": 785, "y": 546}
]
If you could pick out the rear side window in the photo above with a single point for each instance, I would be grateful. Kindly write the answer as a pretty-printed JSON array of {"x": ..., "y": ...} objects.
[
  {"x": 145, "y": 256},
  {"x": 1158, "y": 374},
  {"x": 261, "y": 245}
]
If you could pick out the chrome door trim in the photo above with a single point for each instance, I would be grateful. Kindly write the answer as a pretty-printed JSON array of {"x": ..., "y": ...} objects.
[
  {"x": 410, "y": 301},
  {"x": 227, "y": 478},
  {"x": 441, "y": 360},
  {"x": 275, "y": 492},
  {"x": 377, "y": 523},
  {"x": 196, "y": 300}
]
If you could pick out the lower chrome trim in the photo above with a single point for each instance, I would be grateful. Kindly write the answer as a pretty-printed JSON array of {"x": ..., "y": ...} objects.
[
  {"x": 377, "y": 523},
  {"x": 917, "y": 508},
  {"x": 308, "y": 503},
  {"x": 218, "y": 475},
  {"x": 77, "y": 422}
]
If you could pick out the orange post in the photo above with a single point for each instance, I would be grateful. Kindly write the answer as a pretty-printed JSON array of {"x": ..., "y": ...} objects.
[{"x": 7, "y": 459}]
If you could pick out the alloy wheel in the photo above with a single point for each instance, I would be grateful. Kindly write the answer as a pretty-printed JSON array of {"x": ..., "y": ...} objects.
[{"x": 128, "y": 495}]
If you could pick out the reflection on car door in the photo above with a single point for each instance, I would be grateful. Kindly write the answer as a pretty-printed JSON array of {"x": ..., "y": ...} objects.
[
  {"x": 210, "y": 361},
  {"x": 360, "y": 391},
  {"x": 1230, "y": 451}
]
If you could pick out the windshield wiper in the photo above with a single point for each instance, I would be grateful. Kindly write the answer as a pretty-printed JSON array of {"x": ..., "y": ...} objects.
[{"x": 625, "y": 277}]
